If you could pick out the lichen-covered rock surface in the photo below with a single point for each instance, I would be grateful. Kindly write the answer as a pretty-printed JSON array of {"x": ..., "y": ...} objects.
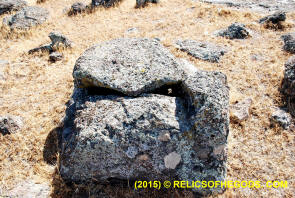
[
  {"x": 156, "y": 119},
  {"x": 11, "y": 5},
  {"x": 27, "y": 17},
  {"x": 202, "y": 50}
]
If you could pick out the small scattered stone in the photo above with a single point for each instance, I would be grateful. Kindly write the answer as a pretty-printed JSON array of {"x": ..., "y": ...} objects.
[
  {"x": 29, "y": 188},
  {"x": 42, "y": 48},
  {"x": 55, "y": 56},
  {"x": 172, "y": 160},
  {"x": 77, "y": 8},
  {"x": 143, "y": 3},
  {"x": 164, "y": 137},
  {"x": 274, "y": 19},
  {"x": 201, "y": 50},
  {"x": 27, "y": 18},
  {"x": 240, "y": 111},
  {"x": 289, "y": 42},
  {"x": 281, "y": 118},
  {"x": 234, "y": 31},
  {"x": 105, "y": 3},
  {"x": 11, "y": 5},
  {"x": 10, "y": 124},
  {"x": 57, "y": 38}
]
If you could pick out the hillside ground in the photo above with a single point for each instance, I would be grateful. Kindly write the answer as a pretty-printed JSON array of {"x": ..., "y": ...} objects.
[{"x": 38, "y": 90}]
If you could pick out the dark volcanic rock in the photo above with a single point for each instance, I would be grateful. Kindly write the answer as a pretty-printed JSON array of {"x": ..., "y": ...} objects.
[
  {"x": 142, "y": 3},
  {"x": 274, "y": 18},
  {"x": 11, "y": 5},
  {"x": 10, "y": 124},
  {"x": 105, "y": 3},
  {"x": 289, "y": 42},
  {"x": 27, "y": 18},
  {"x": 42, "y": 48},
  {"x": 172, "y": 125},
  {"x": 55, "y": 56},
  {"x": 145, "y": 62},
  {"x": 201, "y": 50},
  {"x": 288, "y": 84},
  {"x": 234, "y": 31}
]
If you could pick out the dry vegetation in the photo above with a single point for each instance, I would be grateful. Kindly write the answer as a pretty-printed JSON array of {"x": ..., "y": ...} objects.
[{"x": 37, "y": 90}]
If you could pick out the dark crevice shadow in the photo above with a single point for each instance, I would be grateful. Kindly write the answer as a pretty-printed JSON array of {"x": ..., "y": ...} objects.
[{"x": 51, "y": 146}]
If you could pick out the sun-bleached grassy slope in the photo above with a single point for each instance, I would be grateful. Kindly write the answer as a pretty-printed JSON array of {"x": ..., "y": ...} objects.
[{"x": 37, "y": 90}]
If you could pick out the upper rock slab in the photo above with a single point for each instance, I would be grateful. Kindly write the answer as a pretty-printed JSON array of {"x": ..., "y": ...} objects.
[{"x": 131, "y": 66}]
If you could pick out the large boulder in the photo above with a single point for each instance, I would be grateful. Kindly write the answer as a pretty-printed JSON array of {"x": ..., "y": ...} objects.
[
  {"x": 143, "y": 114},
  {"x": 27, "y": 18},
  {"x": 11, "y": 5},
  {"x": 202, "y": 50}
]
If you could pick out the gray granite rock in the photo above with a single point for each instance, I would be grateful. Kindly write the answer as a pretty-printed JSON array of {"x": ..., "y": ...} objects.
[
  {"x": 281, "y": 118},
  {"x": 154, "y": 117},
  {"x": 10, "y": 124},
  {"x": 143, "y": 3},
  {"x": 263, "y": 6},
  {"x": 77, "y": 8},
  {"x": 234, "y": 31},
  {"x": 27, "y": 18},
  {"x": 289, "y": 42},
  {"x": 201, "y": 50},
  {"x": 11, "y": 5},
  {"x": 58, "y": 38},
  {"x": 145, "y": 62}
]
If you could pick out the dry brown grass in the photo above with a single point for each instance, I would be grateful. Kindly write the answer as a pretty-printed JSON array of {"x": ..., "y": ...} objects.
[{"x": 38, "y": 90}]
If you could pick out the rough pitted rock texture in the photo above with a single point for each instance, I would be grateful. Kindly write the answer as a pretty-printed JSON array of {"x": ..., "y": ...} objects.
[
  {"x": 288, "y": 84},
  {"x": 10, "y": 124},
  {"x": 27, "y": 18},
  {"x": 201, "y": 50},
  {"x": 241, "y": 111},
  {"x": 76, "y": 8},
  {"x": 234, "y": 31},
  {"x": 289, "y": 42},
  {"x": 143, "y": 3},
  {"x": 175, "y": 129},
  {"x": 144, "y": 62},
  {"x": 281, "y": 118},
  {"x": 11, "y": 5},
  {"x": 259, "y": 6}
]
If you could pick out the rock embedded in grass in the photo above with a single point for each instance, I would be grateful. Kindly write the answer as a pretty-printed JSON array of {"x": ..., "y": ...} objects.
[
  {"x": 240, "y": 111},
  {"x": 140, "y": 113},
  {"x": 55, "y": 56},
  {"x": 289, "y": 42},
  {"x": 143, "y": 3},
  {"x": 11, "y": 5},
  {"x": 10, "y": 124},
  {"x": 77, "y": 8},
  {"x": 26, "y": 18},
  {"x": 281, "y": 118},
  {"x": 234, "y": 31},
  {"x": 202, "y": 50},
  {"x": 275, "y": 18}
]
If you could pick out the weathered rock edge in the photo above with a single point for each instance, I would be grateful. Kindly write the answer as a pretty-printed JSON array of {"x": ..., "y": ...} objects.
[{"x": 128, "y": 147}]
